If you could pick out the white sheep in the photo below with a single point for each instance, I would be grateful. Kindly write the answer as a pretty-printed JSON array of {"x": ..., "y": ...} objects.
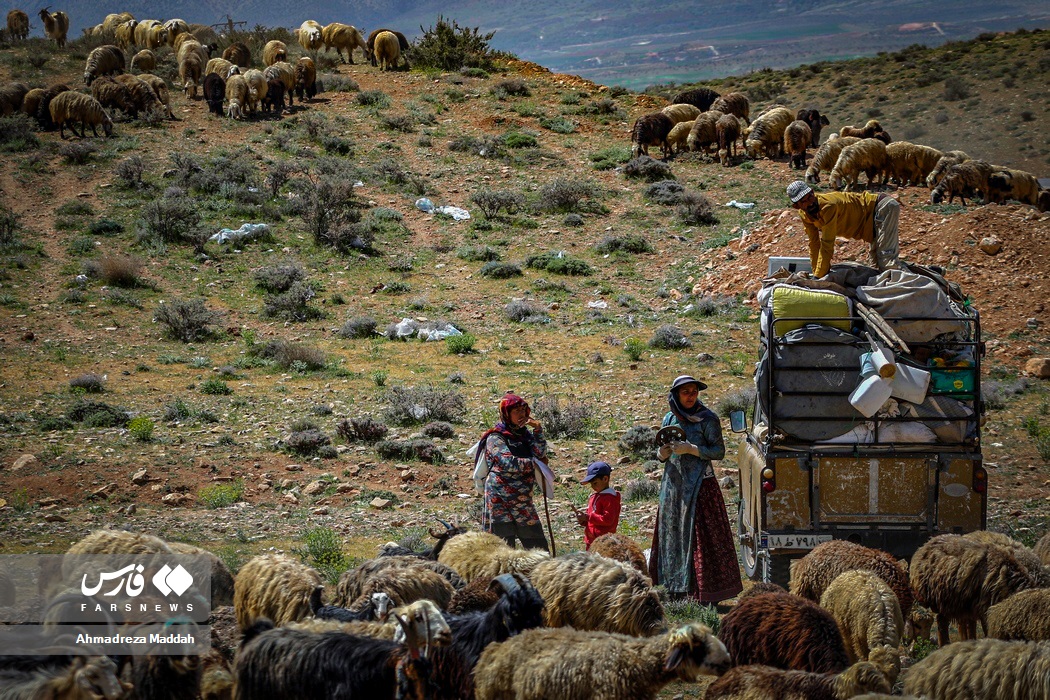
[
  {"x": 344, "y": 37},
  {"x": 151, "y": 34},
  {"x": 275, "y": 586},
  {"x": 678, "y": 136},
  {"x": 274, "y": 51},
  {"x": 256, "y": 88},
  {"x": 765, "y": 136},
  {"x": 910, "y": 163},
  {"x": 866, "y": 156},
  {"x": 221, "y": 67},
  {"x": 704, "y": 131},
  {"x": 869, "y": 617},
  {"x": 827, "y": 155},
  {"x": 125, "y": 34},
  {"x": 983, "y": 669},
  {"x": 482, "y": 554},
  {"x": 568, "y": 664},
  {"x": 681, "y": 112},
  {"x": 387, "y": 51},
  {"x": 309, "y": 35}
]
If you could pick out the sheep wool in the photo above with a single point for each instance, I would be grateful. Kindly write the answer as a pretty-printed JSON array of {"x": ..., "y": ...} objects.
[
  {"x": 86, "y": 678},
  {"x": 591, "y": 592},
  {"x": 651, "y": 130},
  {"x": 273, "y": 52},
  {"x": 681, "y": 112},
  {"x": 816, "y": 122},
  {"x": 701, "y": 98},
  {"x": 274, "y": 586},
  {"x": 387, "y": 50},
  {"x": 866, "y": 610},
  {"x": 309, "y": 35},
  {"x": 910, "y": 163},
  {"x": 765, "y": 136},
  {"x": 865, "y": 132},
  {"x": 826, "y": 156},
  {"x": 948, "y": 159},
  {"x": 482, "y": 554},
  {"x": 1023, "y": 616},
  {"x": 677, "y": 138},
  {"x": 983, "y": 669},
  {"x": 704, "y": 131},
  {"x": 1025, "y": 557},
  {"x": 305, "y": 78},
  {"x": 144, "y": 61},
  {"x": 621, "y": 548},
  {"x": 813, "y": 573},
  {"x": 353, "y": 583},
  {"x": 344, "y": 37},
  {"x": 1042, "y": 549},
  {"x": 735, "y": 103},
  {"x": 11, "y": 97},
  {"x": 103, "y": 60},
  {"x": 963, "y": 180},
  {"x": 568, "y": 664},
  {"x": 797, "y": 136},
  {"x": 1018, "y": 185},
  {"x": 17, "y": 25},
  {"x": 766, "y": 683},
  {"x": 866, "y": 156}
]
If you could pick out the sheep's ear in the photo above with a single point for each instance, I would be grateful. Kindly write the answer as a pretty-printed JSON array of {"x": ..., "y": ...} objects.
[{"x": 676, "y": 656}]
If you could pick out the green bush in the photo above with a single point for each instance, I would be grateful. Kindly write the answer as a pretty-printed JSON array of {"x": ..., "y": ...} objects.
[
  {"x": 324, "y": 552},
  {"x": 560, "y": 264},
  {"x": 516, "y": 139},
  {"x": 610, "y": 157},
  {"x": 187, "y": 321},
  {"x": 97, "y": 414},
  {"x": 414, "y": 405},
  {"x": 17, "y": 134},
  {"x": 627, "y": 243},
  {"x": 221, "y": 495},
  {"x": 460, "y": 344},
  {"x": 639, "y": 440},
  {"x": 215, "y": 387},
  {"x": 634, "y": 349},
  {"x": 141, "y": 428},
  {"x": 449, "y": 47},
  {"x": 478, "y": 253},
  {"x": 668, "y": 337},
  {"x": 500, "y": 270}
]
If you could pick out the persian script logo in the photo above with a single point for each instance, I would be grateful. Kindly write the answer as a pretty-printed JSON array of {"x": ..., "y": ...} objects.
[{"x": 166, "y": 580}]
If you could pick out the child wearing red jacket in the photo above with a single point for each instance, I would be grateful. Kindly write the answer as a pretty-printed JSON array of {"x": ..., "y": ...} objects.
[{"x": 603, "y": 507}]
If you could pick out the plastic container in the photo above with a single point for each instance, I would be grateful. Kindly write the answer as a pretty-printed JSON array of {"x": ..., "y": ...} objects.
[
  {"x": 910, "y": 384},
  {"x": 870, "y": 394}
]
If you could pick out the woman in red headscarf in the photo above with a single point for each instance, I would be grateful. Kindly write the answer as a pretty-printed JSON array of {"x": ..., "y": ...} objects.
[{"x": 508, "y": 451}]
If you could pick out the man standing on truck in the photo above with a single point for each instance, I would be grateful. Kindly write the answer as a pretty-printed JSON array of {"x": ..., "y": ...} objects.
[{"x": 855, "y": 215}]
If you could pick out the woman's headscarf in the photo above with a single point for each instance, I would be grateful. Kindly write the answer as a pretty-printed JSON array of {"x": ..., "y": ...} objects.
[
  {"x": 519, "y": 440},
  {"x": 685, "y": 414}
]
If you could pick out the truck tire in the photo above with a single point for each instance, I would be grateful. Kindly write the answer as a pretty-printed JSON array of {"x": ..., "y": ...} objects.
[
  {"x": 748, "y": 553},
  {"x": 780, "y": 569}
]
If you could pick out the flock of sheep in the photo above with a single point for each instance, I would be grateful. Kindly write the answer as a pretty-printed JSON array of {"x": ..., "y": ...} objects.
[
  {"x": 473, "y": 618},
  {"x": 229, "y": 84},
  {"x": 702, "y": 120}
]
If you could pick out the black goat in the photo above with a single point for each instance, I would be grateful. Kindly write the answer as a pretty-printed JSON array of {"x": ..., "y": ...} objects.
[
  {"x": 451, "y": 530},
  {"x": 374, "y": 607},
  {"x": 816, "y": 122}
]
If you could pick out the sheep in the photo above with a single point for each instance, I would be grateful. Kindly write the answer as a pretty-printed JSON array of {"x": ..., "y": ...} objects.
[
  {"x": 651, "y": 130},
  {"x": 305, "y": 78},
  {"x": 983, "y": 669},
  {"x": 405, "y": 585},
  {"x": 827, "y": 155},
  {"x": 111, "y": 94},
  {"x": 387, "y": 51},
  {"x": 866, "y": 156},
  {"x": 701, "y": 98},
  {"x": 344, "y": 36},
  {"x": 221, "y": 67},
  {"x": 1023, "y": 616},
  {"x": 426, "y": 617},
  {"x": 74, "y": 107},
  {"x": 865, "y": 132},
  {"x": 55, "y": 25},
  {"x": 256, "y": 89},
  {"x": 112, "y": 21},
  {"x": 238, "y": 54},
  {"x": 288, "y": 664},
  {"x": 482, "y": 554},
  {"x": 816, "y": 122},
  {"x": 273, "y": 52},
  {"x": 32, "y": 102},
  {"x": 160, "y": 89},
  {"x": 274, "y": 586},
  {"x": 760, "y": 587},
  {"x": 783, "y": 630},
  {"x": 17, "y": 25},
  {"x": 274, "y": 100},
  {"x": 125, "y": 34},
  {"x": 704, "y": 131},
  {"x": 176, "y": 28},
  {"x": 573, "y": 664},
  {"x": 144, "y": 61},
  {"x": 813, "y": 573},
  {"x": 947, "y": 160},
  {"x": 85, "y": 678},
  {"x": 144, "y": 97},
  {"x": 767, "y": 683},
  {"x": 402, "y": 43},
  {"x": 678, "y": 136},
  {"x": 352, "y": 583},
  {"x": 11, "y": 97},
  {"x": 1042, "y": 548},
  {"x": 283, "y": 73},
  {"x": 1025, "y": 557},
  {"x": 1007, "y": 183},
  {"x": 766, "y": 134},
  {"x": 797, "y": 137},
  {"x": 151, "y": 34},
  {"x": 221, "y": 579},
  {"x": 727, "y": 129},
  {"x": 477, "y": 596},
  {"x": 591, "y": 592},
  {"x": 309, "y": 35},
  {"x": 214, "y": 93},
  {"x": 910, "y": 163},
  {"x": 620, "y": 548},
  {"x": 917, "y": 625},
  {"x": 43, "y": 111},
  {"x": 868, "y": 615},
  {"x": 735, "y": 103},
  {"x": 963, "y": 180},
  {"x": 191, "y": 68},
  {"x": 681, "y": 112},
  {"x": 959, "y": 579},
  {"x": 103, "y": 60}
]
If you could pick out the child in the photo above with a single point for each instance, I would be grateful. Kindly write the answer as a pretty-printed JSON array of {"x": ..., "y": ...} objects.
[{"x": 603, "y": 507}]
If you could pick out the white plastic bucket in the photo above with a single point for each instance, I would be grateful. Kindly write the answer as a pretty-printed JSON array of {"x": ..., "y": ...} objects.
[
  {"x": 910, "y": 384},
  {"x": 870, "y": 394}
]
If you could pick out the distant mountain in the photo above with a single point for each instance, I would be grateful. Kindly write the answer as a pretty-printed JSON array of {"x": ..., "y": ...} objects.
[{"x": 630, "y": 42}]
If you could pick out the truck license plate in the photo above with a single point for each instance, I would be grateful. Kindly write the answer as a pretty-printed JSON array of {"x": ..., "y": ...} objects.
[{"x": 796, "y": 541}]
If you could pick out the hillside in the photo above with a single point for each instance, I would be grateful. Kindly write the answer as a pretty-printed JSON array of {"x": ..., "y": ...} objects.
[{"x": 594, "y": 269}]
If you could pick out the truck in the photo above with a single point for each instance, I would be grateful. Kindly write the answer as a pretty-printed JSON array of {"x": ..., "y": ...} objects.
[{"x": 815, "y": 467}]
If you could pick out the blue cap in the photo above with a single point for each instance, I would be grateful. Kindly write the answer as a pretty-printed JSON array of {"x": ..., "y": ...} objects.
[{"x": 596, "y": 469}]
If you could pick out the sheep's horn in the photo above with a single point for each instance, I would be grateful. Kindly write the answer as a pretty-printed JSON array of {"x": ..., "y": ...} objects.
[
  {"x": 447, "y": 526},
  {"x": 410, "y": 636},
  {"x": 507, "y": 582}
]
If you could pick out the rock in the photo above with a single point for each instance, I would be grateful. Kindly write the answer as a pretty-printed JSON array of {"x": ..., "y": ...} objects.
[
  {"x": 320, "y": 511},
  {"x": 287, "y": 483},
  {"x": 727, "y": 482},
  {"x": 623, "y": 460},
  {"x": 380, "y": 503},
  {"x": 990, "y": 245},
  {"x": 314, "y": 487},
  {"x": 104, "y": 491},
  {"x": 174, "y": 499},
  {"x": 1038, "y": 367},
  {"x": 23, "y": 461},
  {"x": 294, "y": 468},
  {"x": 54, "y": 518},
  {"x": 705, "y": 357},
  {"x": 1032, "y": 323},
  {"x": 344, "y": 488},
  {"x": 407, "y": 475},
  {"x": 290, "y": 498},
  {"x": 45, "y": 502},
  {"x": 140, "y": 478},
  {"x": 129, "y": 509}
]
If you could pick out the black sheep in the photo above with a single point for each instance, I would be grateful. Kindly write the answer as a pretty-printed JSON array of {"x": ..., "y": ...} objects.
[
  {"x": 651, "y": 130},
  {"x": 701, "y": 98},
  {"x": 274, "y": 100},
  {"x": 816, "y": 121},
  {"x": 214, "y": 92}
]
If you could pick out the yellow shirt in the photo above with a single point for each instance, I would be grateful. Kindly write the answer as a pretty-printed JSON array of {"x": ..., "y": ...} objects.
[{"x": 842, "y": 215}]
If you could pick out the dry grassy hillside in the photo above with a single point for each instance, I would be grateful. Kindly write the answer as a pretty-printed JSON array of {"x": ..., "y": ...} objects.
[{"x": 577, "y": 287}]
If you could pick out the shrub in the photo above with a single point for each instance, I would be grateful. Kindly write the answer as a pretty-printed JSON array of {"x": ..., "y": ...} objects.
[
  {"x": 512, "y": 87},
  {"x": 666, "y": 192},
  {"x": 141, "y": 428},
  {"x": 526, "y": 311},
  {"x": 360, "y": 430},
  {"x": 215, "y": 387},
  {"x": 104, "y": 227},
  {"x": 331, "y": 210},
  {"x": 89, "y": 383},
  {"x": 567, "y": 195},
  {"x": 460, "y": 344},
  {"x": 221, "y": 495},
  {"x": 641, "y": 489},
  {"x": 439, "y": 429},
  {"x": 306, "y": 442},
  {"x": 634, "y": 349},
  {"x": 418, "y": 448},
  {"x": 695, "y": 209},
  {"x": 335, "y": 82},
  {"x": 177, "y": 410},
  {"x": 97, "y": 414},
  {"x": 187, "y": 321},
  {"x": 559, "y": 125},
  {"x": 117, "y": 270},
  {"x": 649, "y": 169},
  {"x": 955, "y": 88},
  {"x": 560, "y": 264},
  {"x": 996, "y": 394},
  {"x": 17, "y": 133},
  {"x": 478, "y": 253},
  {"x": 291, "y": 355},
  {"x": 610, "y": 157},
  {"x": 77, "y": 152},
  {"x": 569, "y": 422},
  {"x": 358, "y": 327},
  {"x": 413, "y": 405},
  {"x": 739, "y": 400},
  {"x": 404, "y": 123},
  {"x": 668, "y": 337},
  {"x": 492, "y": 202},
  {"x": 713, "y": 305},
  {"x": 324, "y": 552},
  {"x": 627, "y": 243},
  {"x": 516, "y": 139},
  {"x": 279, "y": 278},
  {"x": 639, "y": 440},
  {"x": 500, "y": 270},
  {"x": 293, "y": 304},
  {"x": 172, "y": 218},
  {"x": 449, "y": 47},
  {"x": 129, "y": 171}
]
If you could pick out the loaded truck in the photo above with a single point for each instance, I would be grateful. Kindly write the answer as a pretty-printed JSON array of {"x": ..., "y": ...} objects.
[{"x": 866, "y": 421}]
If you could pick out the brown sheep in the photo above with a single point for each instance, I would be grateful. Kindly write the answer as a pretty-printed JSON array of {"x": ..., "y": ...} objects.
[
  {"x": 866, "y": 156},
  {"x": 113, "y": 95},
  {"x": 274, "y": 586},
  {"x": 125, "y": 34},
  {"x": 43, "y": 111},
  {"x": 160, "y": 89},
  {"x": 816, "y": 122},
  {"x": 964, "y": 180},
  {"x": 274, "y": 51},
  {"x": 864, "y": 132},
  {"x": 12, "y": 95},
  {"x": 238, "y": 54},
  {"x": 387, "y": 51},
  {"x": 812, "y": 574},
  {"x": 353, "y": 582},
  {"x": 144, "y": 61},
  {"x": 733, "y": 103},
  {"x": 17, "y": 25},
  {"x": 947, "y": 160},
  {"x": 1018, "y": 185},
  {"x": 55, "y": 26},
  {"x": 727, "y": 129},
  {"x": 701, "y": 98},
  {"x": 144, "y": 96},
  {"x": 1042, "y": 547},
  {"x": 651, "y": 130},
  {"x": 620, "y": 548},
  {"x": 283, "y": 73},
  {"x": 797, "y": 137},
  {"x": 1023, "y": 616},
  {"x": 346, "y": 37},
  {"x": 785, "y": 631},
  {"x": 32, "y": 102},
  {"x": 109, "y": 25},
  {"x": 960, "y": 579},
  {"x": 222, "y": 582},
  {"x": 766, "y": 683},
  {"x": 191, "y": 70},
  {"x": 305, "y": 78},
  {"x": 1025, "y": 557},
  {"x": 214, "y": 90},
  {"x": 910, "y": 163},
  {"x": 402, "y": 42},
  {"x": 103, "y": 60},
  {"x": 827, "y": 155},
  {"x": 704, "y": 131}
]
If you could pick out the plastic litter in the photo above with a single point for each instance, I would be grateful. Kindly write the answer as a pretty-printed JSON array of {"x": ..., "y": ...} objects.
[
  {"x": 598, "y": 304},
  {"x": 455, "y": 212},
  {"x": 740, "y": 205},
  {"x": 425, "y": 205},
  {"x": 428, "y": 330},
  {"x": 245, "y": 233}
]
